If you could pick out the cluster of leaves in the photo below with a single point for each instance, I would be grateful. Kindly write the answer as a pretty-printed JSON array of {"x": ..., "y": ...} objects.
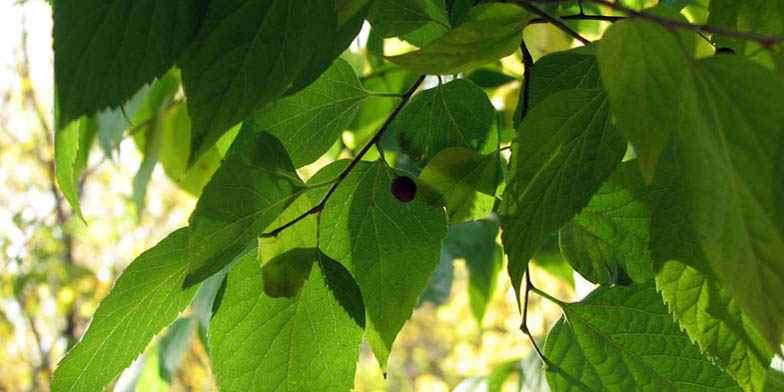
[{"x": 683, "y": 234}]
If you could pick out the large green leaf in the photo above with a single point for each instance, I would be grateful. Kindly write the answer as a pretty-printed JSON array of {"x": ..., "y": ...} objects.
[
  {"x": 389, "y": 246},
  {"x": 608, "y": 242},
  {"x": 475, "y": 242},
  {"x": 463, "y": 181},
  {"x": 106, "y": 50},
  {"x": 697, "y": 299},
  {"x": 488, "y": 33},
  {"x": 565, "y": 149},
  {"x": 623, "y": 339},
  {"x": 255, "y": 183},
  {"x": 309, "y": 122},
  {"x": 457, "y": 113},
  {"x": 643, "y": 67},
  {"x": 147, "y": 297},
  {"x": 728, "y": 138},
  {"x": 391, "y": 18},
  {"x": 246, "y": 54},
  {"x": 306, "y": 343}
]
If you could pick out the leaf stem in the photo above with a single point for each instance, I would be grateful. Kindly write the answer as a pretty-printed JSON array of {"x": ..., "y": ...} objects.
[
  {"x": 524, "y": 325},
  {"x": 343, "y": 174}
]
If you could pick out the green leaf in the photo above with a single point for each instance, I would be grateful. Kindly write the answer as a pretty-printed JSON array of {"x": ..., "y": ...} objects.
[
  {"x": 463, "y": 181},
  {"x": 698, "y": 301},
  {"x": 390, "y": 247},
  {"x": 560, "y": 71},
  {"x": 775, "y": 381},
  {"x": 457, "y": 113},
  {"x": 728, "y": 137},
  {"x": 105, "y": 51},
  {"x": 173, "y": 345},
  {"x": 306, "y": 343},
  {"x": 475, "y": 242},
  {"x": 69, "y": 159},
  {"x": 608, "y": 242},
  {"x": 565, "y": 149},
  {"x": 439, "y": 286},
  {"x": 643, "y": 67},
  {"x": 147, "y": 297},
  {"x": 246, "y": 54},
  {"x": 623, "y": 339},
  {"x": 235, "y": 208},
  {"x": 309, "y": 122},
  {"x": 392, "y": 18},
  {"x": 488, "y": 33},
  {"x": 152, "y": 151}
]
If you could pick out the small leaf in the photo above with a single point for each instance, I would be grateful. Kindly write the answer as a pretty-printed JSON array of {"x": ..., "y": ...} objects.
[
  {"x": 105, "y": 51},
  {"x": 439, "y": 286},
  {"x": 306, "y": 343},
  {"x": 643, "y": 66},
  {"x": 391, "y": 248},
  {"x": 309, "y": 122},
  {"x": 147, "y": 297},
  {"x": 245, "y": 56},
  {"x": 565, "y": 149},
  {"x": 173, "y": 345},
  {"x": 608, "y": 242},
  {"x": 623, "y": 339},
  {"x": 463, "y": 181},
  {"x": 488, "y": 33},
  {"x": 69, "y": 159},
  {"x": 457, "y": 113},
  {"x": 235, "y": 208}
]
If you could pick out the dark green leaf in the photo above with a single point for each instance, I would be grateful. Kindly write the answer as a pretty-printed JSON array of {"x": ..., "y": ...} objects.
[
  {"x": 565, "y": 149},
  {"x": 306, "y": 343},
  {"x": 390, "y": 247},
  {"x": 608, "y": 242},
  {"x": 106, "y": 50},
  {"x": 457, "y": 113},
  {"x": 253, "y": 186},
  {"x": 147, "y": 297},
  {"x": 309, "y": 122},
  {"x": 488, "y": 33},
  {"x": 758, "y": 16},
  {"x": 728, "y": 137},
  {"x": 246, "y": 54},
  {"x": 623, "y": 339},
  {"x": 487, "y": 78},
  {"x": 462, "y": 181},
  {"x": 391, "y": 18},
  {"x": 643, "y": 67}
]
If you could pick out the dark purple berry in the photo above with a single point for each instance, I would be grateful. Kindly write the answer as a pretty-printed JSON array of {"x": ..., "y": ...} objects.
[
  {"x": 725, "y": 50},
  {"x": 404, "y": 188}
]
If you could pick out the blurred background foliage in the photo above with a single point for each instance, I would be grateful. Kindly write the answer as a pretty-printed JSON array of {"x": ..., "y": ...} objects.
[{"x": 55, "y": 269}]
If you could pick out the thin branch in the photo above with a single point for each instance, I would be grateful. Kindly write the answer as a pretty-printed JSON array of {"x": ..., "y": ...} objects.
[
  {"x": 374, "y": 141},
  {"x": 602, "y": 18},
  {"x": 528, "y": 63},
  {"x": 765, "y": 40},
  {"x": 524, "y": 325},
  {"x": 552, "y": 20}
]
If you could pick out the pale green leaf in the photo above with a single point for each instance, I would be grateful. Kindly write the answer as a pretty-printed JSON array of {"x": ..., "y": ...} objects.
[
  {"x": 147, "y": 297},
  {"x": 565, "y": 149},
  {"x": 624, "y": 339},
  {"x": 309, "y": 122},
  {"x": 245, "y": 56},
  {"x": 457, "y": 113},
  {"x": 488, "y": 33},
  {"x": 172, "y": 346},
  {"x": 306, "y": 343},
  {"x": 106, "y": 50},
  {"x": 728, "y": 138},
  {"x": 608, "y": 241},
  {"x": 68, "y": 156},
  {"x": 463, "y": 181},
  {"x": 643, "y": 67},
  {"x": 390, "y": 247},
  {"x": 255, "y": 183}
]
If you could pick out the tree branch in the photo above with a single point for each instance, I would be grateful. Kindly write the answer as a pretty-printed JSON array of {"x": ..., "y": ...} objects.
[
  {"x": 552, "y": 20},
  {"x": 376, "y": 138}
]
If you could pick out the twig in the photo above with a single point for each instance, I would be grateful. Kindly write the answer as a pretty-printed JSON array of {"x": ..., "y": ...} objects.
[
  {"x": 524, "y": 325},
  {"x": 602, "y": 18},
  {"x": 376, "y": 138},
  {"x": 765, "y": 40},
  {"x": 552, "y": 20}
]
